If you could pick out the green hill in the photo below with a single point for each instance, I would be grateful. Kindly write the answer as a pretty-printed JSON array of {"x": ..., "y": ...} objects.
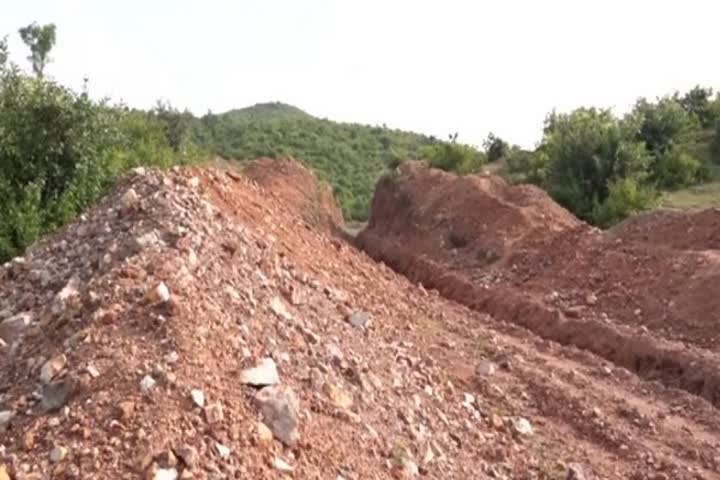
[{"x": 351, "y": 157}]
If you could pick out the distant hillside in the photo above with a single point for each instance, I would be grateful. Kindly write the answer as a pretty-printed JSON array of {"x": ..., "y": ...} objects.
[{"x": 351, "y": 157}]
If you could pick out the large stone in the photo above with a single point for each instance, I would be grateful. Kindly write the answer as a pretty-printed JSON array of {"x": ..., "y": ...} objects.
[
  {"x": 188, "y": 454},
  {"x": 264, "y": 374},
  {"x": 359, "y": 319},
  {"x": 575, "y": 472},
  {"x": 522, "y": 426},
  {"x": 278, "y": 308},
  {"x": 5, "y": 417},
  {"x": 57, "y": 394},
  {"x": 12, "y": 328},
  {"x": 52, "y": 367},
  {"x": 280, "y": 407}
]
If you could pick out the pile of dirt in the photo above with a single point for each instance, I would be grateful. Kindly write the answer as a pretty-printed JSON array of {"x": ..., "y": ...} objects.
[
  {"x": 193, "y": 325},
  {"x": 634, "y": 303},
  {"x": 298, "y": 189},
  {"x": 680, "y": 230}
]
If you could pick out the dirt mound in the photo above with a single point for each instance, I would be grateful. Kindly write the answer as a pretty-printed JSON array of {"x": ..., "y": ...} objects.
[
  {"x": 676, "y": 229},
  {"x": 480, "y": 218},
  {"x": 143, "y": 341},
  {"x": 297, "y": 188},
  {"x": 563, "y": 280}
]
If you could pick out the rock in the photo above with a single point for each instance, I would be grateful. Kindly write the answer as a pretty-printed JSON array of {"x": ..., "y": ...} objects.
[
  {"x": 58, "y": 454},
  {"x": 70, "y": 292},
  {"x": 92, "y": 371},
  {"x": 167, "y": 459},
  {"x": 5, "y": 417},
  {"x": 214, "y": 413},
  {"x": 130, "y": 199},
  {"x": 126, "y": 410},
  {"x": 28, "y": 440},
  {"x": 281, "y": 465},
  {"x": 4, "y": 475},
  {"x": 159, "y": 294},
  {"x": 359, "y": 319},
  {"x": 188, "y": 454},
  {"x": 57, "y": 394},
  {"x": 575, "y": 472},
  {"x": 12, "y": 328},
  {"x": 198, "y": 397},
  {"x": 338, "y": 396},
  {"x": 172, "y": 357},
  {"x": 264, "y": 374},
  {"x": 278, "y": 308},
  {"x": 52, "y": 367},
  {"x": 264, "y": 434},
  {"x": 522, "y": 426},
  {"x": 280, "y": 407},
  {"x": 156, "y": 473},
  {"x": 147, "y": 384},
  {"x": 486, "y": 368},
  {"x": 222, "y": 450},
  {"x": 591, "y": 299}
]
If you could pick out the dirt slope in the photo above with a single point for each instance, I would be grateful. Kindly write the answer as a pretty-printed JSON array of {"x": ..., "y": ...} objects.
[
  {"x": 107, "y": 375},
  {"x": 642, "y": 301}
]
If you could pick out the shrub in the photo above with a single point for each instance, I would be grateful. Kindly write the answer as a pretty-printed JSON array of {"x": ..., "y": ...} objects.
[{"x": 626, "y": 196}]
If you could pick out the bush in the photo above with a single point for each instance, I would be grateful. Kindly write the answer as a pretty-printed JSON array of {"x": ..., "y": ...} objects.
[
  {"x": 626, "y": 196},
  {"x": 675, "y": 169},
  {"x": 453, "y": 157}
]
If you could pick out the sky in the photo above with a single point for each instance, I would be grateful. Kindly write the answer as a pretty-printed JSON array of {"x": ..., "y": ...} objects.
[{"x": 435, "y": 67}]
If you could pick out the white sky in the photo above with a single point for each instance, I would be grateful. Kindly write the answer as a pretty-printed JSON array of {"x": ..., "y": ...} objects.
[{"x": 430, "y": 66}]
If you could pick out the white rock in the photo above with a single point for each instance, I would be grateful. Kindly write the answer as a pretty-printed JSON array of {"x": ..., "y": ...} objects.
[
  {"x": 172, "y": 357},
  {"x": 162, "y": 293},
  {"x": 522, "y": 426},
  {"x": 165, "y": 474},
  {"x": 147, "y": 384},
  {"x": 222, "y": 450},
  {"x": 12, "y": 327},
  {"x": 130, "y": 198},
  {"x": 58, "y": 454},
  {"x": 278, "y": 308},
  {"x": 264, "y": 374},
  {"x": 5, "y": 417},
  {"x": 198, "y": 397},
  {"x": 282, "y": 465},
  {"x": 486, "y": 368},
  {"x": 92, "y": 371}
]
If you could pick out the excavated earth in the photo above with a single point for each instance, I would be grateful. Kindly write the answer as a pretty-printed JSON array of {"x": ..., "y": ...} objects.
[{"x": 213, "y": 324}]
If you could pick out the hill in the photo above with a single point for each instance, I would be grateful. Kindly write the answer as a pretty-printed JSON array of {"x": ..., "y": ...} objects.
[{"x": 351, "y": 157}]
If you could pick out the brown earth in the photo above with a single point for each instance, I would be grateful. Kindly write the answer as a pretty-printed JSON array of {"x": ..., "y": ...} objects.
[{"x": 391, "y": 380}]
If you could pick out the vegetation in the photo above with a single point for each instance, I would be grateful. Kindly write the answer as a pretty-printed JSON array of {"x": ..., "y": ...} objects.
[{"x": 59, "y": 150}]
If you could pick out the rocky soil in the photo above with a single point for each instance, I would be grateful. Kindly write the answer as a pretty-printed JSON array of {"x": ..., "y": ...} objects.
[{"x": 199, "y": 323}]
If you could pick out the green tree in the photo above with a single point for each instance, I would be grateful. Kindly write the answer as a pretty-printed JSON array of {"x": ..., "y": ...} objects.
[
  {"x": 698, "y": 102},
  {"x": 583, "y": 153},
  {"x": 3, "y": 52},
  {"x": 495, "y": 147},
  {"x": 40, "y": 39},
  {"x": 664, "y": 124}
]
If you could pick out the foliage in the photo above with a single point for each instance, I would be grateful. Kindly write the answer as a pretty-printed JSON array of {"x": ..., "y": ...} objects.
[
  {"x": 625, "y": 197},
  {"x": 350, "y": 157},
  {"x": 585, "y": 152},
  {"x": 495, "y": 148},
  {"x": 453, "y": 157},
  {"x": 40, "y": 40},
  {"x": 676, "y": 168},
  {"x": 697, "y": 102}
]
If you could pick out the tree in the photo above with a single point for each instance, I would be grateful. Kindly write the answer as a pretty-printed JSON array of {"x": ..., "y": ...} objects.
[
  {"x": 664, "y": 124},
  {"x": 584, "y": 153},
  {"x": 697, "y": 102},
  {"x": 495, "y": 147},
  {"x": 3, "y": 52},
  {"x": 40, "y": 40}
]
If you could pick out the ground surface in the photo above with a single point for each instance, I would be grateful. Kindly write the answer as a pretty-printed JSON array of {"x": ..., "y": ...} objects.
[{"x": 541, "y": 370}]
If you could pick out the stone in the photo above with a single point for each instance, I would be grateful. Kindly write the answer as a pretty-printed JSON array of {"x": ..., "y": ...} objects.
[
  {"x": 126, "y": 409},
  {"x": 147, "y": 384},
  {"x": 264, "y": 434},
  {"x": 281, "y": 465},
  {"x": 5, "y": 417},
  {"x": 57, "y": 394},
  {"x": 339, "y": 397},
  {"x": 522, "y": 426},
  {"x": 591, "y": 299},
  {"x": 222, "y": 450},
  {"x": 28, "y": 440},
  {"x": 4, "y": 475},
  {"x": 163, "y": 473},
  {"x": 167, "y": 459},
  {"x": 486, "y": 368},
  {"x": 159, "y": 294},
  {"x": 12, "y": 327},
  {"x": 52, "y": 367},
  {"x": 278, "y": 307},
  {"x": 198, "y": 397},
  {"x": 214, "y": 413},
  {"x": 58, "y": 454},
  {"x": 264, "y": 374},
  {"x": 359, "y": 320},
  {"x": 188, "y": 454},
  {"x": 280, "y": 409},
  {"x": 92, "y": 371},
  {"x": 130, "y": 199},
  {"x": 69, "y": 292},
  {"x": 575, "y": 472}
]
